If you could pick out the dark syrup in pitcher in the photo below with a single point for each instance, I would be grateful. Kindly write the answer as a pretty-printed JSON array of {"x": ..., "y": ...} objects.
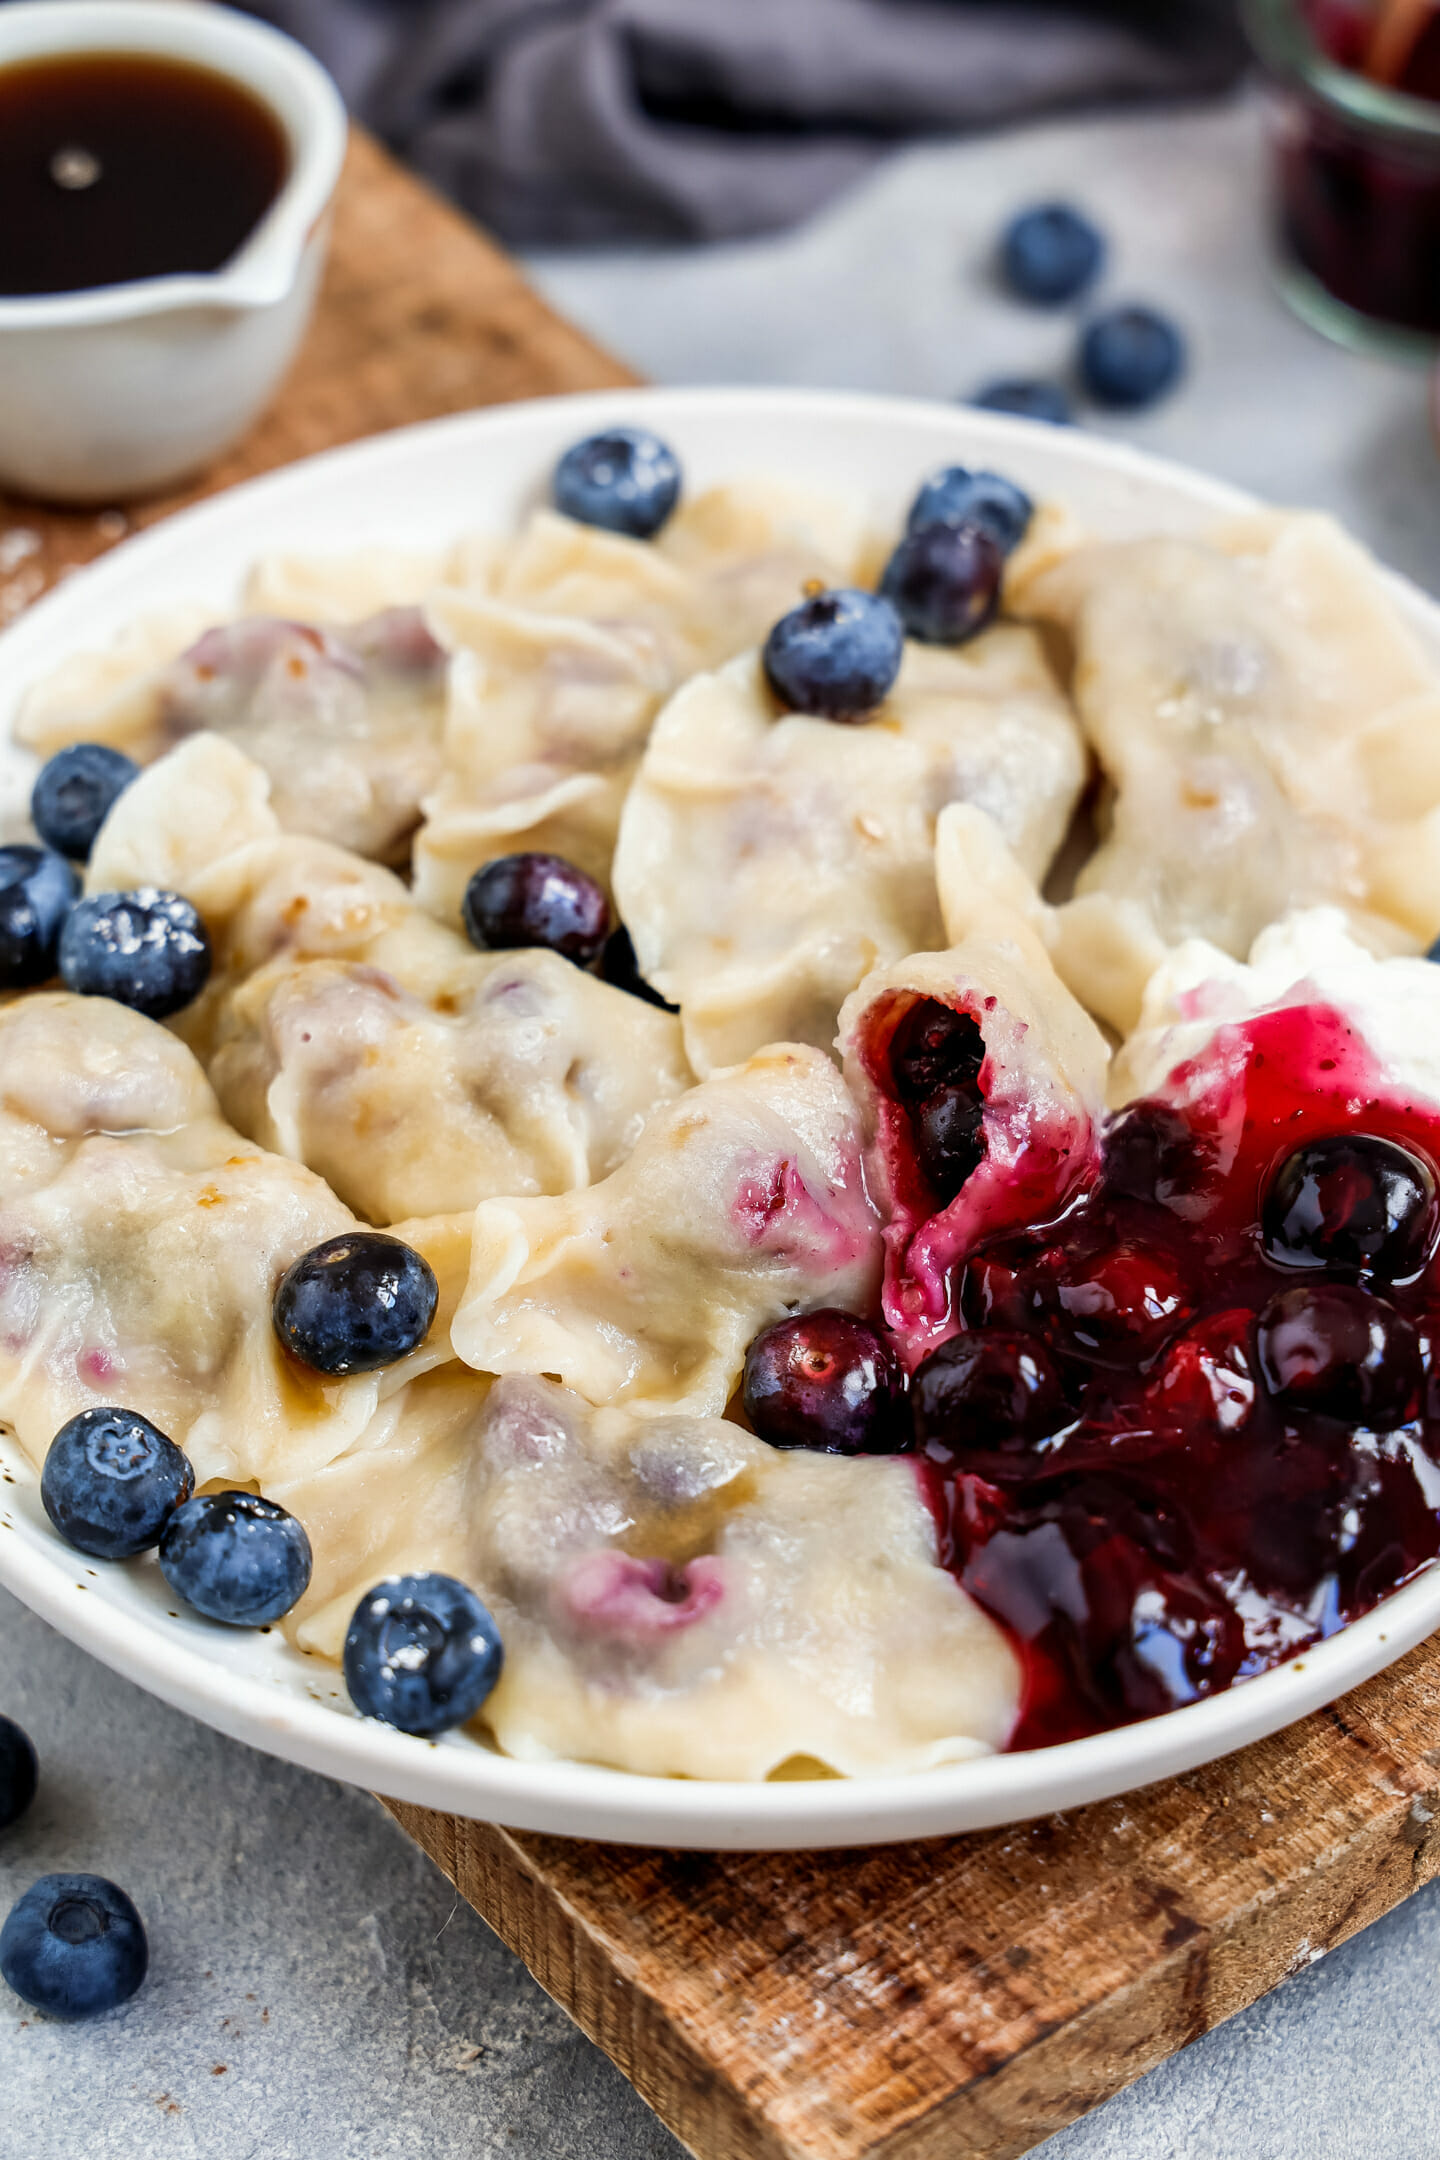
[{"x": 116, "y": 166}]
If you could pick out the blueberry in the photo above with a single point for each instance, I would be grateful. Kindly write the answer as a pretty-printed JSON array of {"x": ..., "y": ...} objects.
[
  {"x": 147, "y": 949},
  {"x": 356, "y": 1303},
  {"x": 1131, "y": 357},
  {"x": 235, "y": 1557},
  {"x": 18, "y": 1772},
  {"x": 1030, "y": 399},
  {"x": 944, "y": 582},
  {"x": 950, "y": 1138},
  {"x": 536, "y": 899},
  {"x": 73, "y": 795},
  {"x": 624, "y": 480},
  {"x": 38, "y": 889},
  {"x": 934, "y": 1046},
  {"x": 824, "y": 1380},
  {"x": 957, "y": 496},
  {"x": 994, "y": 1395},
  {"x": 1336, "y": 1351},
  {"x": 422, "y": 1653},
  {"x": 1051, "y": 254},
  {"x": 1433, "y": 951},
  {"x": 621, "y": 969},
  {"x": 111, "y": 1481},
  {"x": 74, "y": 1946},
  {"x": 836, "y": 655},
  {"x": 1353, "y": 1202}
]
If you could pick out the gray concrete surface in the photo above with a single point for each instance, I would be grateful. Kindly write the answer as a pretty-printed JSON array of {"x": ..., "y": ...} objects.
[{"x": 316, "y": 1993}]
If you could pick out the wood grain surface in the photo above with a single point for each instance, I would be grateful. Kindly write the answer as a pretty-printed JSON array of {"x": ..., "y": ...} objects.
[{"x": 961, "y": 1999}]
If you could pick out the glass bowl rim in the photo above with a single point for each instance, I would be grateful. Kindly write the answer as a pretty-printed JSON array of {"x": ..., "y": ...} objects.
[{"x": 1286, "y": 47}]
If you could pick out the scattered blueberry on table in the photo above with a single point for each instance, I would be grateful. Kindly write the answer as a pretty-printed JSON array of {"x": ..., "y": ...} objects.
[
  {"x": 1029, "y": 398},
  {"x": 534, "y": 899},
  {"x": 147, "y": 949},
  {"x": 38, "y": 889},
  {"x": 73, "y": 795},
  {"x": 74, "y": 1946},
  {"x": 422, "y": 1653},
  {"x": 943, "y": 582},
  {"x": 836, "y": 655},
  {"x": 1051, "y": 254},
  {"x": 1130, "y": 357},
  {"x": 625, "y": 480},
  {"x": 356, "y": 1303},
  {"x": 111, "y": 1482},
  {"x": 18, "y": 1772},
  {"x": 235, "y": 1557},
  {"x": 956, "y": 496},
  {"x": 825, "y": 1381}
]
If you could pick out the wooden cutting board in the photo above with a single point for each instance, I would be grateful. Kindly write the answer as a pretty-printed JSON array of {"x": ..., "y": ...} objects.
[{"x": 935, "y": 2002}]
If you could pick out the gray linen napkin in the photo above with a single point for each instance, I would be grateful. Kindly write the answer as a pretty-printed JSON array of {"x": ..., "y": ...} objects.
[{"x": 575, "y": 122}]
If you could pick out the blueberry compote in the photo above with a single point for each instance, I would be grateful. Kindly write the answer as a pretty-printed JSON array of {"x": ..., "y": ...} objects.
[{"x": 1191, "y": 1423}]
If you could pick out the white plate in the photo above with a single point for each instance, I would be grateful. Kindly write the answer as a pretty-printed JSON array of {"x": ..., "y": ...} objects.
[{"x": 424, "y": 485}]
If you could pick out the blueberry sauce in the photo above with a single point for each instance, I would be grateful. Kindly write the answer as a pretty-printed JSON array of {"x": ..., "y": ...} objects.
[{"x": 1162, "y": 1454}]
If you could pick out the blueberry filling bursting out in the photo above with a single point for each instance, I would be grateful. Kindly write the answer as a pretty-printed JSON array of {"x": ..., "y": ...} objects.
[
  {"x": 936, "y": 1056},
  {"x": 1192, "y": 1424}
]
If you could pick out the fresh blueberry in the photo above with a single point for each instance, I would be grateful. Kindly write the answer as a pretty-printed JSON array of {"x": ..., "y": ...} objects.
[
  {"x": 836, "y": 655},
  {"x": 621, "y": 969},
  {"x": 38, "y": 889},
  {"x": 1027, "y": 397},
  {"x": 356, "y": 1303},
  {"x": 422, "y": 1653},
  {"x": 111, "y": 1481},
  {"x": 990, "y": 1395},
  {"x": 536, "y": 899},
  {"x": 74, "y": 1946},
  {"x": 18, "y": 1772},
  {"x": 624, "y": 480},
  {"x": 147, "y": 949},
  {"x": 235, "y": 1557},
  {"x": 1130, "y": 357},
  {"x": 944, "y": 582},
  {"x": 1051, "y": 254},
  {"x": 824, "y": 1380},
  {"x": 957, "y": 496},
  {"x": 1353, "y": 1202},
  {"x": 73, "y": 795},
  {"x": 1336, "y": 1351}
]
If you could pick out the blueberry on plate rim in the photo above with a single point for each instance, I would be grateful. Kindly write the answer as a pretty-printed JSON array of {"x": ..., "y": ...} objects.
[
  {"x": 1050, "y": 254},
  {"x": 421, "y": 1653},
  {"x": 147, "y": 949},
  {"x": 954, "y": 495},
  {"x": 73, "y": 795},
  {"x": 19, "y": 1771},
  {"x": 836, "y": 655},
  {"x": 1027, "y": 397},
  {"x": 355, "y": 1303},
  {"x": 623, "y": 479},
  {"x": 235, "y": 1557},
  {"x": 111, "y": 1481},
  {"x": 944, "y": 582},
  {"x": 534, "y": 899},
  {"x": 74, "y": 1946},
  {"x": 828, "y": 1382},
  {"x": 38, "y": 889},
  {"x": 1130, "y": 357}
]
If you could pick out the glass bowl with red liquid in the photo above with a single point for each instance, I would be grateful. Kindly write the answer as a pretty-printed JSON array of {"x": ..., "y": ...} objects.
[{"x": 1357, "y": 169}]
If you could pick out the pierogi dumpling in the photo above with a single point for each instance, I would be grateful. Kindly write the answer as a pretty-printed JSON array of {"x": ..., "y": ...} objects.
[
  {"x": 343, "y": 1026},
  {"x": 1267, "y": 727},
  {"x": 674, "y": 1596},
  {"x": 767, "y": 861}
]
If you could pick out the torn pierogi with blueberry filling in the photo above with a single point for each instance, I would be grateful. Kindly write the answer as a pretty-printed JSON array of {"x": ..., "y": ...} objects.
[
  {"x": 1266, "y": 725},
  {"x": 859, "y": 1392},
  {"x": 346, "y": 1028}
]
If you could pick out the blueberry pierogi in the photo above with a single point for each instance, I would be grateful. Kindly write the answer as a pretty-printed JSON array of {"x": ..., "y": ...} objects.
[{"x": 588, "y": 1127}]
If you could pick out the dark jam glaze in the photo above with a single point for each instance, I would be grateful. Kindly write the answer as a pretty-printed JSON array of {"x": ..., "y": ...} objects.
[{"x": 1207, "y": 1503}]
